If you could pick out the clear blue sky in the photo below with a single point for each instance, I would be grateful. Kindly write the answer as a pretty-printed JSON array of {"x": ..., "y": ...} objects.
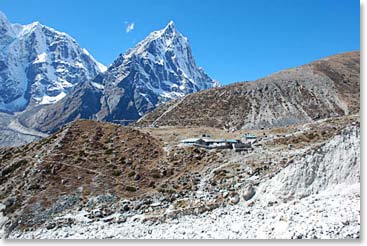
[{"x": 233, "y": 40}]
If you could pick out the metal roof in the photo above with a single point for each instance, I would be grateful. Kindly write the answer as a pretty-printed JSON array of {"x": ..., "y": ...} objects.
[
  {"x": 208, "y": 140},
  {"x": 214, "y": 140},
  {"x": 189, "y": 140},
  {"x": 231, "y": 140}
]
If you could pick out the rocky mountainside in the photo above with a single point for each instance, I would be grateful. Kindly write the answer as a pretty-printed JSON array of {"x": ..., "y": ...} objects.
[
  {"x": 160, "y": 68},
  {"x": 39, "y": 65},
  {"x": 325, "y": 88},
  {"x": 101, "y": 180},
  {"x": 90, "y": 160},
  {"x": 13, "y": 134}
]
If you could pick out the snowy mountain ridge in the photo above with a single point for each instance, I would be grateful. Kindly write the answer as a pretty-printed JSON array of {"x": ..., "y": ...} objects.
[
  {"x": 39, "y": 65},
  {"x": 160, "y": 68},
  {"x": 166, "y": 64}
]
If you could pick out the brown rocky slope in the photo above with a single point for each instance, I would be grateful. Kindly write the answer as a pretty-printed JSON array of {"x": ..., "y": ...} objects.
[
  {"x": 89, "y": 160},
  {"x": 325, "y": 88},
  {"x": 112, "y": 174}
]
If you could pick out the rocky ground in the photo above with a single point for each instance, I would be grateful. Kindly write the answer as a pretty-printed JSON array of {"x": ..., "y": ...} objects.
[
  {"x": 327, "y": 215},
  {"x": 297, "y": 182},
  {"x": 328, "y": 87}
]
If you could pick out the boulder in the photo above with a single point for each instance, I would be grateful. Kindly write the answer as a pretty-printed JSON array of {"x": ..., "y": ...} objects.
[
  {"x": 225, "y": 194},
  {"x": 248, "y": 192},
  {"x": 126, "y": 207},
  {"x": 9, "y": 202},
  {"x": 156, "y": 204},
  {"x": 234, "y": 199},
  {"x": 50, "y": 226},
  {"x": 137, "y": 177},
  {"x": 121, "y": 220}
]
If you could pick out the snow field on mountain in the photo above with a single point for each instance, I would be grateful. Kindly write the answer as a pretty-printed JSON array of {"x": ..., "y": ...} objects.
[{"x": 41, "y": 62}]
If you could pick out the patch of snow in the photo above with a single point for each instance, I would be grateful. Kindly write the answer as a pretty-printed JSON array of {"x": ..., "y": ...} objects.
[
  {"x": 41, "y": 58},
  {"x": 102, "y": 68},
  {"x": 62, "y": 84},
  {"x": 79, "y": 65},
  {"x": 98, "y": 86},
  {"x": 60, "y": 70},
  {"x": 50, "y": 100}
]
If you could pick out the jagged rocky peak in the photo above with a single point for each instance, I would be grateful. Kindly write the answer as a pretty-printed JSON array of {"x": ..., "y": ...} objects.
[
  {"x": 6, "y": 30},
  {"x": 166, "y": 68},
  {"x": 158, "y": 69},
  {"x": 4, "y": 20},
  {"x": 165, "y": 38},
  {"x": 39, "y": 65},
  {"x": 169, "y": 34},
  {"x": 170, "y": 28}
]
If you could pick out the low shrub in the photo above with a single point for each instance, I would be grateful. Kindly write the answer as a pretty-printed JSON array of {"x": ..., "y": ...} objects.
[
  {"x": 130, "y": 188},
  {"x": 108, "y": 151},
  {"x": 116, "y": 173}
]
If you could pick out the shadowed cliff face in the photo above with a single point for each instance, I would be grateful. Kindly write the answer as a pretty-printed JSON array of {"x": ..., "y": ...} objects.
[{"x": 325, "y": 88}]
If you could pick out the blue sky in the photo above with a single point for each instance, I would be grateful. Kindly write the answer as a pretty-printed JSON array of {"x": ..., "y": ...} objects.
[{"x": 233, "y": 40}]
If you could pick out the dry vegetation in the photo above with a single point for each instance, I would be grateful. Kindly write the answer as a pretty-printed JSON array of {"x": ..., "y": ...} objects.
[
  {"x": 311, "y": 133},
  {"x": 89, "y": 159},
  {"x": 322, "y": 89}
]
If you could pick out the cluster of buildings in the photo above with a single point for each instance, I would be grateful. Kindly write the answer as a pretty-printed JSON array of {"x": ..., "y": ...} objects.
[{"x": 209, "y": 143}]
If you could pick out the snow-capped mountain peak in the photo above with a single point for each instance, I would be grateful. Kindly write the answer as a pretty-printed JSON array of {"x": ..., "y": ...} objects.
[
  {"x": 169, "y": 30},
  {"x": 39, "y": 65},
  {"x": 3, "y": 19},
  {"x": 159, "y": 68},
  {"x": 6, "y": 30},
  {"x": 171, "y": 25},
  {"x": 162, "y": 40}
]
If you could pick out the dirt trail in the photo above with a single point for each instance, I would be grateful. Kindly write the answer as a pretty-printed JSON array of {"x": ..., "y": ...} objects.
[{"x": 168, "y": 110}]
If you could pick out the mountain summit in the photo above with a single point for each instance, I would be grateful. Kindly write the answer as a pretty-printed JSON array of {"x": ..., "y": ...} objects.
[
  {"x": 39, "y": 65},
  {"x": 166, "y": 67},
  {"x": 158, "y": 69}
]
